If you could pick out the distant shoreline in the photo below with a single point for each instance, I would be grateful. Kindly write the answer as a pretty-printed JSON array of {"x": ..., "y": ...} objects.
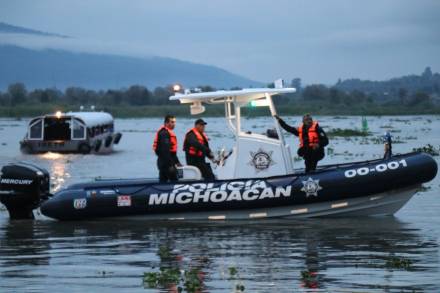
[{"x": 216, "y": 111}]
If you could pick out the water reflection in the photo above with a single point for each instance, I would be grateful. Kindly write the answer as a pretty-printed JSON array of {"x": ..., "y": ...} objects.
[
  {"x": 58, "y": 175},
  {"x": 21, "y": 250},
  {"x": 338, "y": 253},
  {"x": 57, "y": 167},
  {"x": 268, "y": 256},
  {"x": 51, "y": 156}
]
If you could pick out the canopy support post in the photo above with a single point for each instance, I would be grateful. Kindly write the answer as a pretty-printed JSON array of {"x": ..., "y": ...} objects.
[{"x": 286, "y": 155}]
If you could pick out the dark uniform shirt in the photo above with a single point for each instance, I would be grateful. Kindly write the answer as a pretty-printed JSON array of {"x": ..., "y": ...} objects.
[
  {"x": 323, "y": 140},
  {"x": 198, "y": 161},
  {"x": 192, "y": 141},
  {"x": 165, "y": 157}
]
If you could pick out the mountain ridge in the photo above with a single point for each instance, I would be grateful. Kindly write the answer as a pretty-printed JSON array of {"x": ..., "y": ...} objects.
[
  {"x": 61, "y": 69},
  {"x": 13, "y": 29}
]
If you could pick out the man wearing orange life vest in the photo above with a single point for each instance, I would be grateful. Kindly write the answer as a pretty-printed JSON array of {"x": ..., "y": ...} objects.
[
  {"x": 312, "y": 140},
  {"x": 165, "y": 147},
  {"x": 196, "y": 147}
]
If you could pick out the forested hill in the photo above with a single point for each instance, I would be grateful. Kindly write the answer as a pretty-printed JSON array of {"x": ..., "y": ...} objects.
[
  {"x": 62, "y": 69},
  {"x": 427, "y": 82},
  {"x": 13, "y": 29}
]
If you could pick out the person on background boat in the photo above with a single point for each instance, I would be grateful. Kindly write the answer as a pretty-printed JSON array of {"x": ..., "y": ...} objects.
[
  {"x": 165, "y": 147},
  {"x": 388, "y": 149},
  {"x": 312, "y": 140},
  {"x": 196, "y": 147}
]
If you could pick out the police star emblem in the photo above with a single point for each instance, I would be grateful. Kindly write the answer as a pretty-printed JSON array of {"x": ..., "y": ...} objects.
[
  {"x": 261, "y": 160},
  {"x": 311, "y": 187}
]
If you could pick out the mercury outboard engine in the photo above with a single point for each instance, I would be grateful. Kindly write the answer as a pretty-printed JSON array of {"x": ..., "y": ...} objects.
[{"x": 23, "y": 187}]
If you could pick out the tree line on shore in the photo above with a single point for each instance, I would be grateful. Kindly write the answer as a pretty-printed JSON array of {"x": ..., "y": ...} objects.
[
  {"x": 138, "y": 95},
  {"x": 139, "y": 101}
]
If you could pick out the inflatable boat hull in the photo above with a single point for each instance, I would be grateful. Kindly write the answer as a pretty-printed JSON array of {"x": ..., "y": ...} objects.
[{"x": 379, "y": 187}]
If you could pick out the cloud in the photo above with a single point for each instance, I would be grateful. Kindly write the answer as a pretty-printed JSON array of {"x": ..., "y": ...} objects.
[
  {"x": 359, "y": 38},
  {"x": 74, "y": 45},
  {"x": 261, "y": 39}
]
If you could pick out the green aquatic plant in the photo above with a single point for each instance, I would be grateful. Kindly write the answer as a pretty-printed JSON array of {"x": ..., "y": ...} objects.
[
  {"x": 161, "y": 279},
  {"x": 411, "y": 137},
  {"x": 386, "y": 126},
  {"x": 380, "y": 140},
  {"x": 189, "y": 281},
  {"x": 399, "y": 120},
  {"x": 234, "y": 275},
  {"x": 239, "y": 288},
  {"x": 398, "y": 263},
  {"x": 174, "y": 274},
  {"x": 192, "y": 280},
  {"x": 309, "y": 279},
  {"x": 429, "y": 149},
  {"x": 232, "y": 272},
  {"x": 347, "y": 132},
  {"x": 330, "y": 151}
]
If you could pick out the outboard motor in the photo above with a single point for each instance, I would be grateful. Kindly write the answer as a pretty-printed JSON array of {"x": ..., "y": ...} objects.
[{"x": 23, "y": 187}]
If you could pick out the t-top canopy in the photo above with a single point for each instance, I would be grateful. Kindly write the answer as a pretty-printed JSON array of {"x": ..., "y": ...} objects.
[{"x": 244, "y": 95}]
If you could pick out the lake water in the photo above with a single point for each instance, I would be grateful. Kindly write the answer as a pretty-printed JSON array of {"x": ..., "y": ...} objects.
[{"x": 314, "y": 255}]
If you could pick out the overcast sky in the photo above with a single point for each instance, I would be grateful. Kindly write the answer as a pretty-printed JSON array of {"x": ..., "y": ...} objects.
[{"x": 319, "y": 41}]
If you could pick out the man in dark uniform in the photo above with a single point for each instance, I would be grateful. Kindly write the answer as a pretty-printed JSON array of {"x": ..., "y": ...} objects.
[
  {"x": 196, "y": 147},
  {"x": 165, "y": 147},
  {"x": 312, "y": 140}
]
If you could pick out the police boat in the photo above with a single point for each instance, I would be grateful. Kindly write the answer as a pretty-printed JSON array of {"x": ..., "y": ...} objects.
[
  {"x": 71, "y": 132},
  {"x": 254, "y": 180}
]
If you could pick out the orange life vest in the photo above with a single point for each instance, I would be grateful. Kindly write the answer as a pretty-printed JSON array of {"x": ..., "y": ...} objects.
[
  {"x": 173, "y": 140},
  {"x": 201, "y": 137},
  {"x": 312, "y": 134}
]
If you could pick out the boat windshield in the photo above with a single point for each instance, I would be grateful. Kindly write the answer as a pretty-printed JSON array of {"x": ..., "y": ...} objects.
[{"x": 57, "y": 128}]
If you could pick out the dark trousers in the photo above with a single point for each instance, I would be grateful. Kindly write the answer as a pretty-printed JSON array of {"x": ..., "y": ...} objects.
[
  {"x": 204, "y": 167},
  {"x": 167, "y": 173},
  {"x": 311, "y": 158},
  {"x": 310, "y": 163}
]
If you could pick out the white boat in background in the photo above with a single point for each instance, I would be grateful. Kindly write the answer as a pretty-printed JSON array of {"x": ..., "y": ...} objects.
[{"x": 71, "y": 132}]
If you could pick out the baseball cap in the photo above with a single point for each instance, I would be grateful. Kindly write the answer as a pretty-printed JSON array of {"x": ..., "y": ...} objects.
[{"x": 200, "y": 121}]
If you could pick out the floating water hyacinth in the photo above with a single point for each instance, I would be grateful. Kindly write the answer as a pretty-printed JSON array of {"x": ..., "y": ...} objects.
[
  {"x": 398, "y": 263},
  {"x": 309, "y": 279},
  {"x": 347, "y": 132},
  {"x": 429, "y": 149}
]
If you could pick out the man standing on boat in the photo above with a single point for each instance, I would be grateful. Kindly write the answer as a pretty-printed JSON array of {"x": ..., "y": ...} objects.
[
  {"x": 165, "y": 147},
  {"x": 312, "y": 140},
  {"x": 196, "y": 147}
]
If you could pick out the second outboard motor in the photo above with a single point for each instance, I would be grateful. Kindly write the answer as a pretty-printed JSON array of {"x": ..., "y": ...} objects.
[{"x": 23, "y": 186}]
